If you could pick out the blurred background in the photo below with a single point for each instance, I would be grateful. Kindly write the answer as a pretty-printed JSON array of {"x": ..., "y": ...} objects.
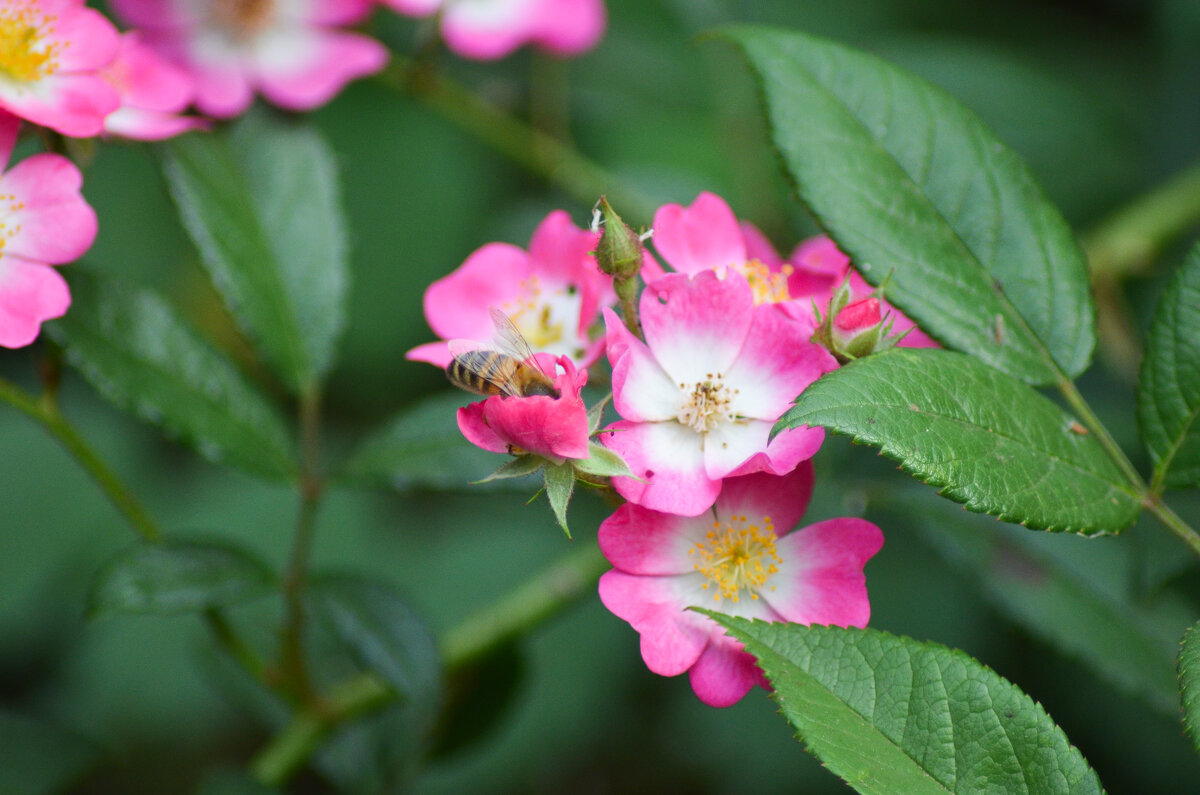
[{"x": 1103, "y": 100}]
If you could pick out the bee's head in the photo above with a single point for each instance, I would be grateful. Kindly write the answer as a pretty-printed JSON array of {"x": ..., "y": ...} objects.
[{"x": 540, "y": 388}]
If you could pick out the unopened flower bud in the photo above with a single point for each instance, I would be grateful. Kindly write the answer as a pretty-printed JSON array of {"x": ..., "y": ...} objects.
[
  {"x": 852, "y": 329},
  {"x": 619, "y": 252}
]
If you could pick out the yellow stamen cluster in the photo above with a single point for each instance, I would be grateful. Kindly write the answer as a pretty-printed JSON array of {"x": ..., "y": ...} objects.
[
  {"x": 243, "y": 18},
  {"x": 8, "y": 205},
  {"x": 768, "y": 287},
  {"x": 737, "y": 556},
  {"x": 532, "y": 316},
  {"x": 25, "y": 53},
  {"x": 709, "y": 404}
]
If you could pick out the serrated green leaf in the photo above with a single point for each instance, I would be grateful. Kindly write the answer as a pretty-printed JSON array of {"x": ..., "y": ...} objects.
[
  {"x": 177, "y": 577},
  {"x": 421, "y": 447},
  {"x": 890, "y": 714},
  {"x": 39, "y": 758},
  {"x": 560, "y": 482},
  {"x": 603, "y": 462},
  {"x": 916, "y": 189},
  {"x": 1189, "y": 681},
  {"x": 380, "y": 752},
  {"x": 1073, "y": 593},
  {"x": 262, "y": 205},
  {"x": 383, "y": 632},
  {"x": 133, "y": 347},
  {"x": 982, "y": 437},
  {"x": 1168, "y": 401}
]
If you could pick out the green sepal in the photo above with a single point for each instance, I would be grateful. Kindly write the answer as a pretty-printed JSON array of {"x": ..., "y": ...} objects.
[
  {"x": 519, "y": 467},
  {"x": 560, "y": 482},
  {"x": 603, "y": 462}
]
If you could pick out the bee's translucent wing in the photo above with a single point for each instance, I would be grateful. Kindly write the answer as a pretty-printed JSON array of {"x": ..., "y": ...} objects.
[
  {"x": 509, "y": 340},
  {"x": 460, "y": 346}
]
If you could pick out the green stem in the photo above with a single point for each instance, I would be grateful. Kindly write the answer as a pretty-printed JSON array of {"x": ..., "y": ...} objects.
[
  {"x": 529, "y": 605},
  {"x": 293, "y": 670},
  {"x": 1174, "y": 523},
  {"x": 223, "y": 631},
  {"x": 46, "y": 413},
  {"x": 532, "y": 149},
  {"x": 1081, "y": 408},
  {"x": 1131, "y": 237}
]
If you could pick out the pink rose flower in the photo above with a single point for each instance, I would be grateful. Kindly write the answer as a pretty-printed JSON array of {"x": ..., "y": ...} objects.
[
  {"x": 51, "y": 54},
  {"x": 700, "y": 396},
  {"x": 552, "y": 294},
  {"x": 153, "y": 94},
  {"x": 488, "y": 29},
  {"x": 738, "y": 559},
  {"x": 290, "y": 50},
  {"x": 553, "y": 428},
  {"x": 44, "y": 221}
]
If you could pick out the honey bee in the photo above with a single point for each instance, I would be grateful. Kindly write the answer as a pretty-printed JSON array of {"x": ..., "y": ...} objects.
[{"x": 506, "y": 368}]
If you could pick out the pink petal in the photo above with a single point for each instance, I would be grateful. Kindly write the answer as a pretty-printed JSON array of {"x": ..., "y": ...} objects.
[
  {"x": 157, "y": 13},
  {"x": 702, "y": 236},
  {"x": 336, "y": 13},
  {"x": 729, "y": 445},
  {"x": 759, "y": 247},
  {"x": 696, "y": 326},
  {"x": 821, "y": 578},
  {"x": 638, "y": 540},
  {"x": 567, "y": 27},
  {"x": 724, "y": 673},
  {"x": 641, "y": 390},
  {"x": 223, "y": 89},
  {"x": 784, "y": 452},
  {"x": 488, "y": 29},
  {"x": 30, "y": 293},
  {"x": 330, "y": 60},
  {"x": 456, "y": 305},
  {"x": 92, "y": 41},
  {"x": 10, "y": 126},
  {"x": 783, "y": 499},
  {"x": 146, "y": 80},
  {"x": 775, "y": 364},
  {"x": 53, "y": 222},
  {"x": 72, "y": 104},
  {"x": 558, "y": 251},
  {"x": 669, "y": 459},
  {"x": 672, "y": 638},
  {"x": 416, "y": 8},
  {"x": 436, "y": 353},
  {"x": 150, "y": 125}
]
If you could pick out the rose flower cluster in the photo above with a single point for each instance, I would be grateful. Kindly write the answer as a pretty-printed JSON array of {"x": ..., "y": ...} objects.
[{"x": 723, "y": 337}]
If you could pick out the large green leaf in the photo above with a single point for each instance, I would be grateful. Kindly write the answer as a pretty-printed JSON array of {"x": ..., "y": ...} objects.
[
  {"x": 1075, "y": 594},
  {"x": 262, "y": 205},
  {"x": 916, "y": 189},
  {"x": 380, "y": 752},
  {"x": 1189, "y": 680},
  {"x": 1169, "y": 389},
  {"x": 890, "y": 714},
  {"x": 177, "y": 577},
  {"x": 421, "y": 447},
  {"x": 983, "y": 437},
  {"x": 141, "y": 355}
]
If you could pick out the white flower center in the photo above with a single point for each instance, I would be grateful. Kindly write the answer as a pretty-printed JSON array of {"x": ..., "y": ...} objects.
[
  {"x": 737, "y": 557},
  {"x": 242, "y": 18},
  {"x": 548, "y": 319},
  {"x": 707, "y": 404}
]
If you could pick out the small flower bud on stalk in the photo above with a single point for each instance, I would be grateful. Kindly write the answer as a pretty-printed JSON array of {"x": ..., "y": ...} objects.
[
  {"x": 619, "y": 254},
  {"x": 853, "y": 329}
]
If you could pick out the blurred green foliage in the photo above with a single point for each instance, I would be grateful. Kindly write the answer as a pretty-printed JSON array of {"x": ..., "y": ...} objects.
[{"x": 1100, "y": 97}]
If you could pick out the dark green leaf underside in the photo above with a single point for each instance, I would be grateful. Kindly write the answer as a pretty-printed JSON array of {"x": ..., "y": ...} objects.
[
  {"x": 982, "y": 437},
  {"x": 890, "y": 714},
  {"x": 1189, "y": 681},
  {"x": 177, "y": 578},
  {"x": 133, "y": 347},
  {"x": 1169, "y": 388},
  {"x": 922, "y": 196}
]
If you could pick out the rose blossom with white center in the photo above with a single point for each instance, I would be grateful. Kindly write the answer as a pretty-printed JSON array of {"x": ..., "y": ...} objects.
[
  {"x": 290, "y": 50},
  {"x": 44, "y": 221},
  {"x": 51, "y": 52},
  {"x": 698, "y": 398},
  {"x": 552, "y": 294},
  {"x": 738, "y": 558},
  {"x": 488, "y": 29}
]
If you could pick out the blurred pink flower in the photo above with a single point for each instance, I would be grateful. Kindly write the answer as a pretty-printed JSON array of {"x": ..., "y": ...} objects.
[
  {"x": 488, "y": 29},
  {"x": 552, "y": 294},
  {"x": 553, "y": 428},
  {"x": 290, "y": 50},
  {"x": 738, "y": 559},
  {"x": 153, "y": 94},
  {"x": 51, "y": 53},
  {"x": 44, "y": 221},
  {"x": 699, "y": 396}
]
